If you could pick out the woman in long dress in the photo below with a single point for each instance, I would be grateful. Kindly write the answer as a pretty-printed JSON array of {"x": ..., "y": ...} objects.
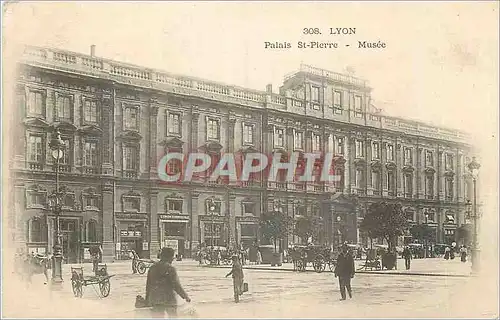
[
  {"x": 259, "y": 257},
  {"x": 447, "y": 253},
  {"x": 463, "y": 254}
]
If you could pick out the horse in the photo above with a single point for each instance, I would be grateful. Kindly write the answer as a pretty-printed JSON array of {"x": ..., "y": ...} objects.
[{"x": 28, "y": 265}]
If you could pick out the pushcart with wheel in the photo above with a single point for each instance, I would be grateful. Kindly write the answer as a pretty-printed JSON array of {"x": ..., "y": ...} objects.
[
  {"x": 143, "y": 265},
  {"x": 99, "y": 280}
]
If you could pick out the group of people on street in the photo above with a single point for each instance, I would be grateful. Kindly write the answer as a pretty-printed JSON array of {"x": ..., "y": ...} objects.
[
  {"x": 163, "y": 284},
  {"x": 449, "y": 254}
]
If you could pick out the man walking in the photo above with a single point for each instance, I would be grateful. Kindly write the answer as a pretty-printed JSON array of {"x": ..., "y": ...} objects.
[
  {"x": 345, "y": 271},
  {"x": 135, "y": 259},
  {"x": 407, "y": 257},
  {"x": 237, "y": 273},
  {"x": 162, "y": 284}
]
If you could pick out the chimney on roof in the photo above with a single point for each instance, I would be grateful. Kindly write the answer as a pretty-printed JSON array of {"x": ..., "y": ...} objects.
[
  {"x": 269, "y": 88},
  {"x": 92, "y": 50}
]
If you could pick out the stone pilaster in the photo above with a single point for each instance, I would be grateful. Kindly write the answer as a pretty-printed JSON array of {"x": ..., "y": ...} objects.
[
  {"x": 420, "y": 173},
  {"x": 459, "y": 178},
  {"x": 153, "y": 132},
  {"x": 329, "y": 143},
  {"x": 230, "y": 133},
  {"x": 399, "y": 157},
  {"x": 155, "y": 238},
  {"x": 231, "y": 206},
  {"x": 348, "y": 147},
  {"x": 195, "y": 117},
  {"x": 440, "y": 175},
  {"x": 416, "y": 174},
  {"x": 195, "y": 232},
  {"x": 108, "y": 225},
  {"x": 368, "y": 168},
  {"x": 107, "y": 132}
]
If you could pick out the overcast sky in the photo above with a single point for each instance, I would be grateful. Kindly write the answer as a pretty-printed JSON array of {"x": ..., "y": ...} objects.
[{"x": 440, "y": 64}]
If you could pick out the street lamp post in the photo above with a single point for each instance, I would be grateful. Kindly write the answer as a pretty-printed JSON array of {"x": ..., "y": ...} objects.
[
  {"x": 473, "y": 167},
  {"x": 425, "y": 239},
  {"x": 339, "y": 232},
  {"x": 57, "y": 145},
  {"x": 211, "y": 211}
]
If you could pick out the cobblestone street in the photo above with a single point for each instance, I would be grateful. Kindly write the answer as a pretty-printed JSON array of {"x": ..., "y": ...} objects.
[{"x": 272, "y": 293}]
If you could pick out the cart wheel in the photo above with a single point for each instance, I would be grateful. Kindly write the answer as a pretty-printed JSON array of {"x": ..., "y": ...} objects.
[
  {"x": 319, "y": 264},
  {"x": 331, "y": 265},
  {"x": 141, "y": 268},
  {"x": 77, "y": 287},
  {"x": 105, "y": 287}
]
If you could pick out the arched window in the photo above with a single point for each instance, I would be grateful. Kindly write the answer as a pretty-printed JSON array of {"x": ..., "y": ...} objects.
[{"x": 92, "y": 231}]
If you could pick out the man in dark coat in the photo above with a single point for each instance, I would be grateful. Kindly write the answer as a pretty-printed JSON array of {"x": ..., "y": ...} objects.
[
  {"x": 162, "y": 284},
  {"x": 345, "y": 271},
  {"x": 407, "y": 256}
]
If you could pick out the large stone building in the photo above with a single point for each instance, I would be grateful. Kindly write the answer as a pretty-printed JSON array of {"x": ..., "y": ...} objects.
[{"x": 117, "y": 120}]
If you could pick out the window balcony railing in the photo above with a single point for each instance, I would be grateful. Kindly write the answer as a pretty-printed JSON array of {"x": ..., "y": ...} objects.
[
  {"x": 130, "y": 174},
  {"x": 281, "y": 185},
  {"x": 408, "y": 195},
  {"x": 62, "y": 168},
  {"x": 250, "y": 183},
  {"x": 391, "y": 193},
  {"x": 429, "y": 197},
  {"x": 318, "y": 188},
  {"x": 376, "y": 192},
  {"x": 90, "y": 170},
  {"x": 35, "y": 165}
]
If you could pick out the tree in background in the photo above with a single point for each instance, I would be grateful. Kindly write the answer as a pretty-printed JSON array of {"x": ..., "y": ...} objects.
[
  {"x": 422, "y": 232},
  {"x": 306, "y": 227},
  {"x": 385, "y": 220},
  {"x": 275, "y": 226}
]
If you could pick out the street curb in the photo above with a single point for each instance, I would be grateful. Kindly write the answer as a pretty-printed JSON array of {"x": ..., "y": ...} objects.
[{"x": 363, "y": 272}]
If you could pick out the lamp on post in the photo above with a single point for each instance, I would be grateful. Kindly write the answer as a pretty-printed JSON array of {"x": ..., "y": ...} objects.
[
  {"x": 473, "y": 167},
  {"x": 339, "y": 232},
  {"x": 55, "y": 201},
  {"x": 211, "y": 211}
]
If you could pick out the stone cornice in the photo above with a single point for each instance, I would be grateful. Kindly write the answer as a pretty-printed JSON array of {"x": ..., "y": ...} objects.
[{"x": 151, "y": 79}]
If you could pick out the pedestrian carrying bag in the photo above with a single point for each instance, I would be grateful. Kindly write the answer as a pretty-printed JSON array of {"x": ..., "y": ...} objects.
[{"x": 245, "y": 287}]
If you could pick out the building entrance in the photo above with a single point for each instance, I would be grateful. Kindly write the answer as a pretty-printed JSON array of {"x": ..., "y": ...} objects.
[{"x": 70, "y": 241}]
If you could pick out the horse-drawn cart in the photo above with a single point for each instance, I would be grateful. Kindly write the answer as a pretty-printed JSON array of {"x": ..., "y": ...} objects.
[
  {"x": 100, "y": 279},
  {"x": 318, "y": 256}
]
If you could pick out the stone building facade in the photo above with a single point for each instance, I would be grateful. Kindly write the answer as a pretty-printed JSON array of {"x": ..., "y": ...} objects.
[{"x": 118, "y": 120}]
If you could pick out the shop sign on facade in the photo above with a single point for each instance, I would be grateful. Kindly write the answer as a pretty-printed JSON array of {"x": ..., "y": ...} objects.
[
  {"x": 131, "y": 233},
  {"x": 145, "y": 246}
]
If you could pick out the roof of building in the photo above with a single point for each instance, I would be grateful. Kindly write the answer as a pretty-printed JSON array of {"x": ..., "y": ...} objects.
[{"x": 92, "y": 66}]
